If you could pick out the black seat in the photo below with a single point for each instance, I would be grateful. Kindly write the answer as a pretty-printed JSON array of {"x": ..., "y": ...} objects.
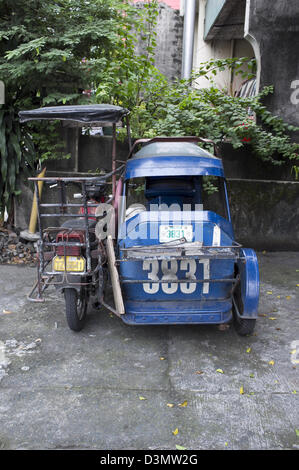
[{"x": 78, "y": 223}]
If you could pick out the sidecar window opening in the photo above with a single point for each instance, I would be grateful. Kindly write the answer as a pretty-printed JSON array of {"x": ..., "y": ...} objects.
[
  {"x": 135, "y": 201},
  {"x": 213, "y": 197},
  {"x": 143, "y": 194},
  {"x": 173, "y": 185}
]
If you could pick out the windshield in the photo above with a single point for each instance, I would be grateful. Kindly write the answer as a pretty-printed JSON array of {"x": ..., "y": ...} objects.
[{"x": 182, "y": 192}]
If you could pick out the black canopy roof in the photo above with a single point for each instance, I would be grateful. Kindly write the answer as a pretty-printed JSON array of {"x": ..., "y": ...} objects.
[{"x": 94, "y": 113}]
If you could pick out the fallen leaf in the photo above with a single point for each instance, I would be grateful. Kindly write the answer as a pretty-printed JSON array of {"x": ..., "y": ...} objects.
[
  {"x": 180, "y": 447},
  {"x": 182, "y": 405},
  {"x": 222, "y": 327},
  {"x": 6, "y": 312},
  {"x": 199, "y": 372},
  {"x": 272, "y": 318},
  {"x": 242, "y": 390},
  {"x": 294, "y": 392},
  {"x": 297, "y": 285},
  {"x": 162, "y": 358},
  {"x": 288, "y": 297},
  {"x": 251, "y": 376},
  {"x": 294, "y": 351},
  {"x": 248, "y": 350},
  {"x": 170, "y": 405},
  {"x": 220, "y": 371},
  {"x": 269, "y": 292},
  {"x": 226, "y": 444},
  {"x": 262, "y": 314},
  {"x": 175, "y": 432},
  {"x": 297, "y": 432},
  {"x": 142, "y": 398},
  {"x": 271, "y": 363}
]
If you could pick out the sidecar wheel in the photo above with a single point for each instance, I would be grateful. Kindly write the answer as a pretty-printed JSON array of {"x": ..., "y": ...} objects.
[
  {"x": 75, "y": 308},
  {"x": 243, "y": 326}
]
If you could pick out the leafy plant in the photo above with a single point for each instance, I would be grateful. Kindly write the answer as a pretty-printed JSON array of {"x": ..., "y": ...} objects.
[
  {"x": 179, "y": 108},
  {"x": 50, "y": 52},
  {"x": 17, "y": 155}
]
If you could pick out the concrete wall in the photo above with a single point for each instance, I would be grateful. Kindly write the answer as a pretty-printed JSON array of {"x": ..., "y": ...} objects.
[
  {"x": 168, "y": 58},
  {"x": 275, "y": 26},
  {"x": 243, "y": 164},
  {"x": 265, "y": 214},
  {"x": 265, "y": 209}
]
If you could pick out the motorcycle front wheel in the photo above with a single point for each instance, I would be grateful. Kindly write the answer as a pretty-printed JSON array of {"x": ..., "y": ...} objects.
[{"x": 75, "y": 308}]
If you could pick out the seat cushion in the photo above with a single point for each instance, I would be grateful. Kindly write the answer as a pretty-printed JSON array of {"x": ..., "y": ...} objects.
[{"x": 79, "y": 223}]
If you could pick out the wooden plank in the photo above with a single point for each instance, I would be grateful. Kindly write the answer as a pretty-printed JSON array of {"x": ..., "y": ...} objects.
[{"x": 117, "y": 294}]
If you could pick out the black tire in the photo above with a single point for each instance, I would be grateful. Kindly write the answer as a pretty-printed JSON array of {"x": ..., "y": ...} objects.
[
  {"x": 242, "y": 326},
  {"x": 75, "y": 308}
]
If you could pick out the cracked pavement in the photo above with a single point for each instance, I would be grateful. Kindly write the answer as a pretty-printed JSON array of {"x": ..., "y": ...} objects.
[{"x": 110, "y": 386}]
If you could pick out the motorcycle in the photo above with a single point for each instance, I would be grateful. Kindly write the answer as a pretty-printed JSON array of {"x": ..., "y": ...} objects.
[{"x": 70, "y": 255}]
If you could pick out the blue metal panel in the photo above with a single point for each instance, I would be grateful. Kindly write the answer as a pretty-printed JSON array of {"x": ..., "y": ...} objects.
[
  {"x": 171, "y": 302},
  {"x": 148, "y": 222},
  {"x": 178, "y": 313},
  {"x": 249, "y": 273},
  {"x": 213, "y": 8},
  {"x": 172, "y": 149},
  {"x": 173, "y": 166}
]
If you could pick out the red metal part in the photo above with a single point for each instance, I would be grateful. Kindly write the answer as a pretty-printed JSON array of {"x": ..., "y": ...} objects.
[
  {"x": 66, "y": 237},
  {"x": 91, "y": 210}
]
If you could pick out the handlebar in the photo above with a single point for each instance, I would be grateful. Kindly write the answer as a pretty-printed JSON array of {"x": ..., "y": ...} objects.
[{"x": 82, "y": 179}]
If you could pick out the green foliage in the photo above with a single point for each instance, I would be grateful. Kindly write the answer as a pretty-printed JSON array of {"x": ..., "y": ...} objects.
[
  {"x": 175, "y": 109},
  {"x": 16, "y": 154},
  {"x": 211, "y": 113},
  {"x": 123, "y": 80},
  {"x": 49, "y": 144},
  {"x": 50, "y": 51}
]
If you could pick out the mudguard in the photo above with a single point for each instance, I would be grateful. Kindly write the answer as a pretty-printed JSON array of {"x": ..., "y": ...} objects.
[
  {"x": 250, "y": 282},
  {"x": 72, "y": 282}
]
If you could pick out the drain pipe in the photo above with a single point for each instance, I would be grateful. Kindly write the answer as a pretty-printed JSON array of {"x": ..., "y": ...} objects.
[{"x": 188, "y": 37}]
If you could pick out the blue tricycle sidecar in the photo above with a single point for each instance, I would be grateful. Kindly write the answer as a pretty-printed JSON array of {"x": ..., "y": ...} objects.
[{"x": 176, "y": 260}]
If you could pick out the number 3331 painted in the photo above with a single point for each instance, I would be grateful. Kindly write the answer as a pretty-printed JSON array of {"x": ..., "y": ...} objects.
[{"x": 169, "y": 270}]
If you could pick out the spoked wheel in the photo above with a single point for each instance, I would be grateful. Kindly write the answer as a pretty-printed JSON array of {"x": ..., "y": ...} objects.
[
  {"x": 75, "y": 308},
  {"x": 243, "y": 326}
]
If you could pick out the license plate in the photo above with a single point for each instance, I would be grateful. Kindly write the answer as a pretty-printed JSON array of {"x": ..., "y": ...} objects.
[
  {"x": 168, "y": 233},
  {"x": 73, "y": 263}
]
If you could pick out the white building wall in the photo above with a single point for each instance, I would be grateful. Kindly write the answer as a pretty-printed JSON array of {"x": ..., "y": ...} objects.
[{"x": 217, "y": 49}]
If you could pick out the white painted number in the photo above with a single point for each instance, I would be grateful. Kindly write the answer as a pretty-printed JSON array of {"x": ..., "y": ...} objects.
[
  {"x": 153, "y": 267},
  {"x": 169, "y": 270},
  {"x": 295, "y": 94},
  {"x": 190, "y": 267},
  {"x": 206, "y": 274},
  {"x": 169, "y": 274}
]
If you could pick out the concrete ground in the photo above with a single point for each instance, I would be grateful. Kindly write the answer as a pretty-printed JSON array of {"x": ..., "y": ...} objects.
[{"x": 114, "y": 386}]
